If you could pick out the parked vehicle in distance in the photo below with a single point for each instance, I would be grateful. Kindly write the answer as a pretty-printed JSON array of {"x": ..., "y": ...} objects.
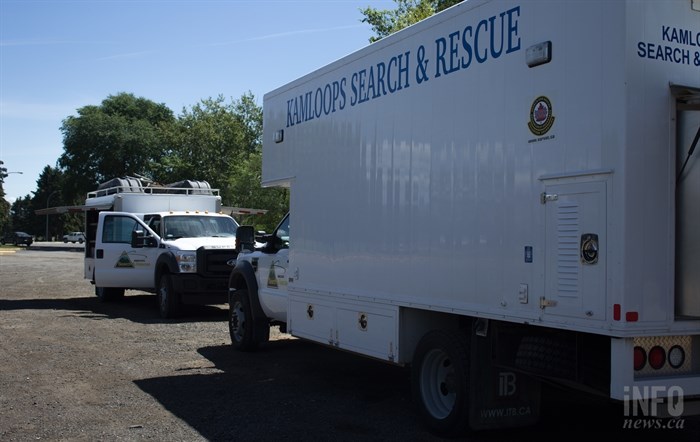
[
  {"x": 18, "y": 238},
  {"x": 74, "y": 237},
  {"x": 172, "y": 240}
]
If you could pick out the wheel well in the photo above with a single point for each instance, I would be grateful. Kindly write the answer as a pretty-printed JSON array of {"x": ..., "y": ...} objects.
[
  {"x": 422, "y": 322},
  {"x": 237, "y": 281},
  {"x": 160, "y": 270}
]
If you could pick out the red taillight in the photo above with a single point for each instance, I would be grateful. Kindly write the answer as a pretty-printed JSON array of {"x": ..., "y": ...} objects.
[
  {"x": 640, "y": 358},
  {"x": 657, "y": 357}
]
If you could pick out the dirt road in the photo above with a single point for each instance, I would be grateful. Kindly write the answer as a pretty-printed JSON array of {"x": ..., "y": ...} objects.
[{"x": 73, "y": 368}]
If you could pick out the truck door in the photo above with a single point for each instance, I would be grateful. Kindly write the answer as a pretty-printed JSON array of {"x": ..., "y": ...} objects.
[
  {"x": 117, "y": 264},
  {"x": 272, "y": 272},
  {"x": 575, "y": 249}
]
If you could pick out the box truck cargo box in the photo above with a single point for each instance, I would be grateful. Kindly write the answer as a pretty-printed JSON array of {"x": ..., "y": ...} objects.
[{"x": 504, "y": 193}]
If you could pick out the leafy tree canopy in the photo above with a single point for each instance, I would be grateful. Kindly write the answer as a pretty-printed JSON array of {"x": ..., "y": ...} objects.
[
  {"x": 122, "y": 136},
  {"x": 207, "y": 140},
  {"x": 408, "y": 12},
  {"x": 215, "y": 140}
]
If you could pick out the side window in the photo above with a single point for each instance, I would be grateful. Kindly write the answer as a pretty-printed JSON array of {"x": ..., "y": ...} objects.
[
  {"x": 117, "y": 229},
  {"x": 153, "y": 222}
]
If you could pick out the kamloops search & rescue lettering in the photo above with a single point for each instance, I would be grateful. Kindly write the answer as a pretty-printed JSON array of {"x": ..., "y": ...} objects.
[
  {"x": 680, "y": 46},
  {"x": 488, "y": 39}
]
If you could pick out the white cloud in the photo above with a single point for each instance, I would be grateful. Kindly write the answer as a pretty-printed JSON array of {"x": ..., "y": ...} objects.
[{"x": 281, "y": 34}]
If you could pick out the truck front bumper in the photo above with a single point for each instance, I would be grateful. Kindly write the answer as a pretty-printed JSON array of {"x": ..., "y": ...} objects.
[{"x": 196, "y": 289}]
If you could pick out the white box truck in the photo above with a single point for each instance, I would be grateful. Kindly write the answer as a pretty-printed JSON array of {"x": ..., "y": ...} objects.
[
  {"x": 504, "y": 193},
  {"x": 172, "y": 240}
]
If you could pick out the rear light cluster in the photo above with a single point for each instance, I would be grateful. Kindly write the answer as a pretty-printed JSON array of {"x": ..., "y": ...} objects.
[
  {"x": 662, "y": 355},
  {"x": 658, "y": 357}
]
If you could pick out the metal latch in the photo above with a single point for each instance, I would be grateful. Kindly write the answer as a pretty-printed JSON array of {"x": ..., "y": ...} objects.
[
  {"x": 589, "y": 248},
  {"x": 547, "y": 303},
  {"x": 546, "y": 197}
]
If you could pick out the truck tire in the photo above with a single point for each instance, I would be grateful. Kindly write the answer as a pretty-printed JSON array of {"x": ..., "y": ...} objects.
[
  {"x": 168, "y": 300},
  {"x": 240, "y": 322},
  {"x": 109, "y": 294},
  {"x": 440, "y": 381}
]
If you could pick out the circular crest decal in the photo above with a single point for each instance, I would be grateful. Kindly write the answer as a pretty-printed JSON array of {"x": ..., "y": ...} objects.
[{"x": 541, "y": 116}]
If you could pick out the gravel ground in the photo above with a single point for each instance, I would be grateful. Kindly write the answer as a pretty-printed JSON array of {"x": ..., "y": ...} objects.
[{"x": 77, "y": 369}]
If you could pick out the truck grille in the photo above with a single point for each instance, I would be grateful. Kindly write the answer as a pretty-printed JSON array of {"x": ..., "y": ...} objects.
[{"x": 211, "y": 262}]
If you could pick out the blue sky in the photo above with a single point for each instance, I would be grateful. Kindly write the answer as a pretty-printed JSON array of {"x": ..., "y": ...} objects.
[{"x": 59, "y": 55}]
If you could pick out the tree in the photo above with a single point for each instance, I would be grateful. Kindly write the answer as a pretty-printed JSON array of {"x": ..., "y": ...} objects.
[
  {"x": 221, "y": 142},
  {"x": 50, "y": 192},
  {"x": 22, "y": 214},
  {"x": 246, "y": 191},
  {"x": 121, "y": 137},
  {"x": 4, "y": 205},
  {"x": 386, "y": 22},
  {"x": 4, "y": 212},
  {"x": 204, "y": 143},
  {"x": 245, "y": 186}
]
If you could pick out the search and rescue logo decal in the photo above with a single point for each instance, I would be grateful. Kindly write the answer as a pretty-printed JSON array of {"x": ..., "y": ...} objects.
[
  {"x": 124, "y": 261},
  {"x": 272, "y": 278},
  {"x": 541, "y": 116},
  {"x": 130, "y": 260}
]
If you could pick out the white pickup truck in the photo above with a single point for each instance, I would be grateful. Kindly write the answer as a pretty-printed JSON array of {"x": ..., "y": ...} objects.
[{"x": 172, "y": 240}]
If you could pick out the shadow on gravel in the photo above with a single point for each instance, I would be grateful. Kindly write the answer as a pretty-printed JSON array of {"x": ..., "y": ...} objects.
[
  {"x": 292, "y": 390},
  {"x": 296, "y": 390},
  {"x": 136, "y": 308}
]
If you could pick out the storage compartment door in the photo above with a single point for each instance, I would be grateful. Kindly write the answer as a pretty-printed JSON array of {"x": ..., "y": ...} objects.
[{"x": 575, "y": 250}]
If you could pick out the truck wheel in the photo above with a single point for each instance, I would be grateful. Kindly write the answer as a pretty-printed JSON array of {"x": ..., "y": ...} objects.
[
  {"x": 440, "y": 380},
  {"x": 108, "y": 294},
  {"x": 240, "y": 322},
  {"x": 168, "y": 301}
]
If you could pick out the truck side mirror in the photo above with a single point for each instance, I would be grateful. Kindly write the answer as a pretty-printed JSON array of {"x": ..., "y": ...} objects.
[
  {"x": 245, "y": 238},
  {"x": 139, "y": 240}
]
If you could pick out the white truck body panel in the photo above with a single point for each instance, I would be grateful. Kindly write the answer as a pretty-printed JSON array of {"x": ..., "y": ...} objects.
[
  {"x": 436, "y": 171},
  {"x": 431, "y": 186},
  {"x": 141, "y": 202}
]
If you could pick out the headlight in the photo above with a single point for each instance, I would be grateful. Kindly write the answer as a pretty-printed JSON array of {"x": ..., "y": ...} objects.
[{"x": 187, "y": 261}]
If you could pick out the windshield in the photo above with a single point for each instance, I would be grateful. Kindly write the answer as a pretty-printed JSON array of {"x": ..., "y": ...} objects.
[{"x": 195, "y": 226}]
